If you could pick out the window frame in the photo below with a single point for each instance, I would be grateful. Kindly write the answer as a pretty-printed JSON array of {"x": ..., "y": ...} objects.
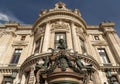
[
  {"x": 38, "y": 44},
  {"x": 7, "y": 79},
  {"x": 82, "y": 45},
  {"x": 23, "y": 37},
  {"x": 96, "y": 37}
]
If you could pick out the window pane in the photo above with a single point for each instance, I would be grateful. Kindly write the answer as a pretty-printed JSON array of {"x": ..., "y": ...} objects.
[
  {"x": 82, "y": 45},
  {"x": 7, "y": 80},
  {"x": 58, "y": 36},
  {"x": 38, "y": 42},
  {"x": 23, "y": 37},
  {"x": 103, "y": 55},
  {"x": 96, "y": 37},
  {"x": 16, "y": 56}
]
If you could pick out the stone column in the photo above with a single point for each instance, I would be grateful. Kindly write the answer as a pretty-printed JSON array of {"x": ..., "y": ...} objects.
[
  {"x": 88, "y": 47},
  {"x": 46, "y": 38},
  {"x": 30, "y": 38},
  {"x": 103, "y": 77},
  {"x": 69, "y": 40},
  {"x": 114, "y": 45},
  {"x": 1, "y": 78},
  {"x": 117, "y": 38},
  {"x": 32, "y": 77},
  {"x": 41, "y": 44},
  {"x": 112, "y": 60},
  {"x": 112, "y": 38},
  {"x": 52, "y": 37},
  {"x": 74, "y": 37},
  {"x": 22, "y": 81},
  {"x": 16, "y": 80}
]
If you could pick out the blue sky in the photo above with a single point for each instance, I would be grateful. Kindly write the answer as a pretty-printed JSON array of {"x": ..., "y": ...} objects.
[{"x": 93, "y": 11}]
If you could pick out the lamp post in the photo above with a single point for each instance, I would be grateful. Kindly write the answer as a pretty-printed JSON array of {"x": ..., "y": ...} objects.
[
  {"x": 89, "y": 70},
  {"x": 14, "y": 74},
  {"x": 109, "y": 75}
]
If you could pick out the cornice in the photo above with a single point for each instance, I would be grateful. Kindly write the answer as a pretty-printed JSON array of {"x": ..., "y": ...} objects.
[
  {"x": 113, "y": 68},
  {"x": 8, "y": 68},
  {"x": 61, "y": 12}
]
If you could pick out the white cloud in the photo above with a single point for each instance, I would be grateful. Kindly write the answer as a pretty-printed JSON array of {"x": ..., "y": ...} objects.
[
  {"x": 8, "y": 16},
  {"x": 3, "y": 17}
]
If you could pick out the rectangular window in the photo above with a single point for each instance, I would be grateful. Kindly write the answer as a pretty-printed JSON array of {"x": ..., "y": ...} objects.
[
  {"x": 58, "y": 36},
  {"x": 37, "y": 45},
  {"x": 23, "y": 37},
  {"x": 103, "y": 56},
  {"x": 96, "y": 38},
  {"x": 7, "y": 80},
  {"x": 82, "y": 45},
  {"x": 16, "y": 56}
]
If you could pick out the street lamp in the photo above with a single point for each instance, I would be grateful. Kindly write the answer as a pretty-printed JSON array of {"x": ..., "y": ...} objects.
[
  {"x": 14, "y": 73},
  {"x": 109, "y": 75}
]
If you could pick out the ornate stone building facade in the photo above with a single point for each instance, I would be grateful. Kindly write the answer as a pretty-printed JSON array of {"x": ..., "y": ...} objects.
[{"x": 59, "y": 48}]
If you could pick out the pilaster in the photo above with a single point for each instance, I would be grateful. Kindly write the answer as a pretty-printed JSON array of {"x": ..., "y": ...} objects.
[
  {"x": 69, "y": 40},
  {"x": 1, "y": 78},
  {"x": 114, "y": 45},
  {"x": 74, "y": 37},
  {"x": 41, "y": 44},
  {"x": 4, "y": 45},
  {"x": 52, "y": 40},
  {"x": 32, "y": 77},
  {"x": 112, "y": 38},
  {"x": 102, "y": 76},
  {"x": 110, "y": 55},
  {"x": 46, "y": 38}
]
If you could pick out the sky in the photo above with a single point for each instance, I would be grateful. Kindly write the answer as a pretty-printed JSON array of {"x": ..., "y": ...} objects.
[{"x": 93, "y": 11}]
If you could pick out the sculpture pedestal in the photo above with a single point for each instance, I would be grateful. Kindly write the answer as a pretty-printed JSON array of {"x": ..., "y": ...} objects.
[{"x": 65, "y": 77}]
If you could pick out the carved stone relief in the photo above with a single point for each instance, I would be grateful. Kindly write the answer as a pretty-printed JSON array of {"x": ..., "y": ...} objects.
[
  {"x": 60, "y": 25},
  {"x": 79, "y": 32},
  {"x": 6, "y": 32},
  {"x": 39, "y": 31}
]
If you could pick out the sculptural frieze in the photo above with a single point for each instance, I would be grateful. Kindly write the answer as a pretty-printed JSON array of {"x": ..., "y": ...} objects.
[{"x": 60, "y": 25}]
